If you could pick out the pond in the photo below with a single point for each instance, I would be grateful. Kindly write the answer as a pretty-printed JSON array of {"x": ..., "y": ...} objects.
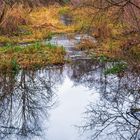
[{"x": 76, "y": 101}]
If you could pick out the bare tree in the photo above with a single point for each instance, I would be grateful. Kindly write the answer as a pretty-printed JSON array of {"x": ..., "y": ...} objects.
[
  {"x": 126, "y": 10},
  {"x": 25, "y": 101},
  {"x": 117, "y": 113}
]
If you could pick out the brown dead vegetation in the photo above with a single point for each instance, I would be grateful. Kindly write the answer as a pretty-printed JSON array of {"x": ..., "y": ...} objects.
[{"x": 14, "y": 18}]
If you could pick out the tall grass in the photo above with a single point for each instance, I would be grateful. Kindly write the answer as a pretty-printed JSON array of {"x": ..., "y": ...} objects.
[{"x": 30, "y": 57}]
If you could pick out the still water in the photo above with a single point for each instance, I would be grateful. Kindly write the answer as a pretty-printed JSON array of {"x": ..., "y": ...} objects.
[
  {"x": 72, "y": 102},
  {"x": 76, "y": 101}
]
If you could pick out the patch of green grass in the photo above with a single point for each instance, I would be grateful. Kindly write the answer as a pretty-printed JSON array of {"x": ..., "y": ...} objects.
[
  {"x": 15, "y": 66},
  {"x": 37, "y": 45},
  {"x": 102, "y": 58},
  {"x": 115, "y": 69},
  {"x": 64, "y": 10},
  {"x": 37, "y": 55},
  {"x": 51, "y": 46}
]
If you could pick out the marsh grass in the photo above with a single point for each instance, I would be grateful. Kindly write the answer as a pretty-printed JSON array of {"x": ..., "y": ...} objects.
[
  {"x": 116, "y": 68},
  {"x": 14, "y": 18},
  {"x": 15, "y": 66},
  {"x": 64, "y": 10},
  {"x": 40, "y": 23},
  {"x": 30, "y": 57}
]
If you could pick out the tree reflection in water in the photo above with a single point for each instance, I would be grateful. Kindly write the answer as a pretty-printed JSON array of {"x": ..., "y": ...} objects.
[
  {"x": 25, "y": 100},
  {"x": 117, "y": 115}
]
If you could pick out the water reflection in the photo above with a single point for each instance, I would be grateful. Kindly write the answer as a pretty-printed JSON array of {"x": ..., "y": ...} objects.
[
  {"x": 66, "y": 19},
  {"x": 25, "y": 100},
  {"x": 117, "y": 113}
]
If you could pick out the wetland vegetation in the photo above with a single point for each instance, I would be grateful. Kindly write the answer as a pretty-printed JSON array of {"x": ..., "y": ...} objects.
[{"x": 69, "y": 70}]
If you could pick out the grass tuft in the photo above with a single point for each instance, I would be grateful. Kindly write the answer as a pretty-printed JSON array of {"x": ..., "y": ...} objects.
[{"x": 30, "y": 57}]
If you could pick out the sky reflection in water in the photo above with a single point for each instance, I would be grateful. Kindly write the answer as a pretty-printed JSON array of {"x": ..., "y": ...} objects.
[{"x": 47, "y": 104}]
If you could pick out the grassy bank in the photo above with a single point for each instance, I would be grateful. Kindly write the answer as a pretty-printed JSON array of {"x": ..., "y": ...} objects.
[
  {"x": 32, "y": 26},
  {"x": 114, "y": 49},
  {"x": 115, "y": 40},
  {"x": 41, "y": 23},
  {"x": 30, "y": 57}
]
